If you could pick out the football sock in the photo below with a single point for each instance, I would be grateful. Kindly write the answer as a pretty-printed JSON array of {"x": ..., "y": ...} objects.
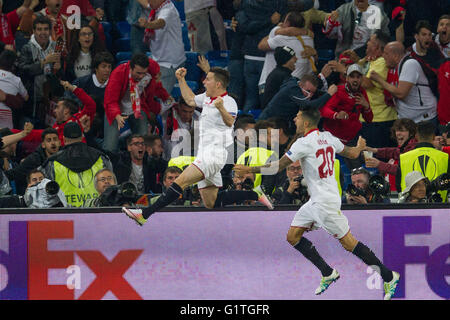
[
  {"x": 170, "y": 195},
  {"x": 369, "y": 258},
  {"x": 234, "y": 196},
  {"x": 309, "y": 251}
]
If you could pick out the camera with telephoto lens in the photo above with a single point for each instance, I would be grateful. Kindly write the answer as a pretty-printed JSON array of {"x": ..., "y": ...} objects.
[
  {"x": 355, "y": 191},
  {"x": 247, "y": 184},
  {"x": 441, "y": 183},
  {"x": 45, "y": 194},
  {"x": 301, "y": 191},
  {"x": 118, "y": 195}
]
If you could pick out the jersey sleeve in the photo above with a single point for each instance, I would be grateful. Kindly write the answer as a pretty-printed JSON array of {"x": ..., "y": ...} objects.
[
  {"x": 231, "y": 106},
  {"x": 199, "y": 99},
  {"x": 298, "y": 150}
]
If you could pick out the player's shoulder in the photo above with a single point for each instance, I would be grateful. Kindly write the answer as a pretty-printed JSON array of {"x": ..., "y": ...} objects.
[{"x": 229, "y": 101}]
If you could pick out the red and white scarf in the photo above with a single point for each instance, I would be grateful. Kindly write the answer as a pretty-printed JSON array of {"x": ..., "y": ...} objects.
[
  {"x": 149, "y": 34},
  {"x": 58, "y": 24},
  {"x": 135, "y": 96},
  {"x": 5, "y": 26}
]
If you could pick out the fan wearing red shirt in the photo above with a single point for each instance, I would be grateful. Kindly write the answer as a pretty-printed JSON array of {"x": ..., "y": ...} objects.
[
  {"x": 341, "y": 113},
  {"x": 10, "y": 21}
]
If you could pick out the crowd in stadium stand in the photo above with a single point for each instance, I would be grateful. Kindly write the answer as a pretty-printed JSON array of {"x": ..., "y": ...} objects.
[{"x": 89, "y": 98}]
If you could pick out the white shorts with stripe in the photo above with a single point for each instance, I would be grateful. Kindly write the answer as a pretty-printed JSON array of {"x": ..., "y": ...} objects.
[
  {"x": 210, "y": 161},
  {"x": 315, "y": 215}
]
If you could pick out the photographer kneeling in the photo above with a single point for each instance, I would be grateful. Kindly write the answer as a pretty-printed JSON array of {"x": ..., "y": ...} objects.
[
  {"x": 291, "y": 190},
  {"x": 366, "y": 188},
  {"x": 419, "y": 189}
]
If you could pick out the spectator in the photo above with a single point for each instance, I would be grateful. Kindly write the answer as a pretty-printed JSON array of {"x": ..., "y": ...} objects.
[
  {"x": 8, "y": 161},
  {"x": 255, "y": 19},
  {"x": 178, "y": 125},
  {"x": 154, "y": 149},
  {"x": 443, "y": 110},
  {"x": 443, "y": 37},
  {"x": 413, "y": 96},
  {"x": 285, "y": 59},
  {"x": 342, "y": 112},
  {"x": 290, "y": 190},
  {"x": 74, "y": 167},
  {"x": 299, "y": 44},
  {"x": 50, "y": 145},
  {"x": 415, "y": 188},
  {"x": 295, "y": 94},
  {"x": 10, "y": 21},
  {"x": 284, "y": 136},
  {"x": 163, "y": 34},
  {"x": 130, "y": 96},
  {"x": 103, "y": 179},
  {"x": 82, "y": 52},
  {"x": 350, "y": 24},
  {"x": 404, "y": 132},
  {"x": 137, "y": 9},
  {"x": 377, "y": 132},
  {"x": 10, "y": 84},
  {"x": 199, "y": 13},
  {"x": 423, "y": 158},
  {"x": 94, "y": 85},
  {"x": 360, "y": 180},
  {"x": 37, "y": 61}
]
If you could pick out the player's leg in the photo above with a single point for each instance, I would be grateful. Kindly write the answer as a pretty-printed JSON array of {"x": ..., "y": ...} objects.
[
  {"x": 189, "y": 176},
  {"x": 209, "y": 196},
  {"x": 360, "y": 250}
]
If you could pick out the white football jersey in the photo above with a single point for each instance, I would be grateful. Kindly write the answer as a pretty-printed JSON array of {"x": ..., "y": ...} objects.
[
  {"x": 213, "y": 131},
  {"x": 316, "y": 152}
]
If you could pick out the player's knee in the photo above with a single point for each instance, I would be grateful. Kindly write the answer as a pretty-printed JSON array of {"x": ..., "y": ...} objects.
[{"x": 292, "y": 239}]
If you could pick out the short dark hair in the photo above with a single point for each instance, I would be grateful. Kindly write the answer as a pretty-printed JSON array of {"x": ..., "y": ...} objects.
[
  {"x": 103, "y": 56},
  {"x": 264, "y": 124},
  {"x": 139, "y": 59},
  {"x": 7, "y": 60},
  {"x": 70, "y": 104},
  {"x": 426, "y": 129},
  {"x": 311, "y": 114},
  {"x": 221, "y": 75},
  {"x": 280, "y": 123},
  {"x": 311, "y": 78},
  {"x": 133, "y": 136},
  {"x": 42, "y": 20},
  {"x": 150, "y": 139},
  {"x": 243, "y": 120},
  {"x": 32, "y": 172},
  {"x": 445, "y": 16},
  {"x": 171, "y": 169},
  {"x": 47, "y": 132},
  {"x": 360, "y": 170},
  {"x": 295, "y": 19},
  {"x": 406, "y": 123},
  {"x": 383, "y": 38},
  {"x": 423, "y": 24}
]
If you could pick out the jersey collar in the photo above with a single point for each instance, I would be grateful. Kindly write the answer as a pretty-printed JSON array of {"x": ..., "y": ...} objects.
[
  {"x": 222, "y": 95},
  {"x": 316, "y": 129}
]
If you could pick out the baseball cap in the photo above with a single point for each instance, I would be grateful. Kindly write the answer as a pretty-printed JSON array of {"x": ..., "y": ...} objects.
[
  {"x": 354, "y": 67},
  {"x": 411, "y": 179},
  {"x": 283, "y": 54},
  {"x": 72, "y": 130}
]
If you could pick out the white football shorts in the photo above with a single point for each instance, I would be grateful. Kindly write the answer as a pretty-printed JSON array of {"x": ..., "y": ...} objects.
[{"x": 210, "y": 161}]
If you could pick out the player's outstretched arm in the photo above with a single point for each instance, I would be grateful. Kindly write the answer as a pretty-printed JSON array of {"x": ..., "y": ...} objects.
[
  {"x": 186, "y": 92},
  {"x": 281, "y": 164},
  {"x": 354, "y": 152}
]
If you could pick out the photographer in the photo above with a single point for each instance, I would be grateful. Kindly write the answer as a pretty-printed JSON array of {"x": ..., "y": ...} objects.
[
  {"x": 363, "y": 187},
  {"x": 42, "y": 192},
  {"x": 103, "y": 179},
  {"x": 415, "y": 190},
  {"x": 291, "y": 190}
]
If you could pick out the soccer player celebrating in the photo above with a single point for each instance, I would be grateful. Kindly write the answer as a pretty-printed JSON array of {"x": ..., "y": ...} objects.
[
  {"x": 215, "y": 134},
  {"x": 316, "y": 151}
]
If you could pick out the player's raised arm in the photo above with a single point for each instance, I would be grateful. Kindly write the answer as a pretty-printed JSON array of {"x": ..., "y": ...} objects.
[
  {"x": 281, "y": 164},
  {"x": 354, "y": 152},
  {"x": 186, "y": 92},
  {"x": 227, "y": 118}
]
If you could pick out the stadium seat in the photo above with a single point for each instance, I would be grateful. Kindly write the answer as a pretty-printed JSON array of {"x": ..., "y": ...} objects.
[
  {"x": 109, "y": 42},
  {"x": 122, "y": 44},
  {"x": 193, "y": 71},
  {"x": 255, "y": 113},
  {"x": 176, "y": 92},
  {"x": 106, "y": 27},
  {"x": 180, "y": 7},
  {"x": 218, "y": 58},
  {"x": 124, "y": 28},
  {"x": 123, "y": 55}
]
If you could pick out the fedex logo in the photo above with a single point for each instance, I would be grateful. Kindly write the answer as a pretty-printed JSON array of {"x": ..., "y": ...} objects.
[
  {"x": 28, "y": 261},
  {"x": 396, "y": 254}
]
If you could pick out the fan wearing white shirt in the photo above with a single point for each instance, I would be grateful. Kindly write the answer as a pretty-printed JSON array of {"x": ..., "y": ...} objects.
[
  {"x": 316, "y": 151},
  {"x": 9, "y": 84},
  {"x": 216, "y": 133}
]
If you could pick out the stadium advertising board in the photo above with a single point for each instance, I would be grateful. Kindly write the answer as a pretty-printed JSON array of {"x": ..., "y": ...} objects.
[{"x": 229, "y": 255}]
